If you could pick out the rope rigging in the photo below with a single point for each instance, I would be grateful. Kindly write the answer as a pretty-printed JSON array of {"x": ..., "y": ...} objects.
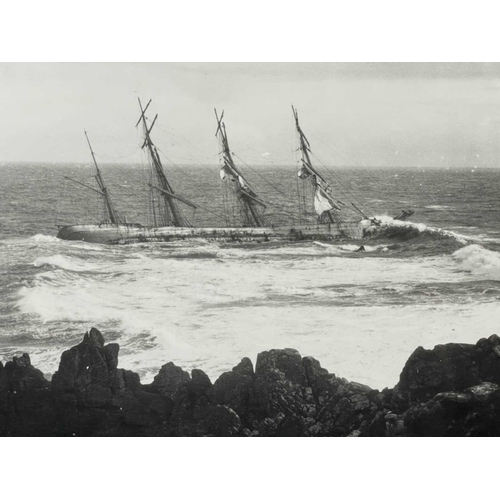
[{"x": 350, "y": 163}]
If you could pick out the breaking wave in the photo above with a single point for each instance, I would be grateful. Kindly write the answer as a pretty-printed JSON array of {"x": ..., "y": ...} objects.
[
  {"x": 479, "y": 261},
  {"x": 404, "y": 235},
  {"x": 62, "y": 262},
  {"x": 44, "y": 238},
  {"x": 350, "y": 247}
]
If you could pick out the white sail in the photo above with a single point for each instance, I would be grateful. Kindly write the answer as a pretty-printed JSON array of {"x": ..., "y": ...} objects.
[
  {"x": 243, "y": 184},
  {"x": 303, "y": 173},
  {"x": 226, "y": 173},
  {"x": 323, "y": 202}
]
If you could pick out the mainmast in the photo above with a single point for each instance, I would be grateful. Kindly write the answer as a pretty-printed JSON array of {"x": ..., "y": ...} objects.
[
  {"x": 247, "y": 198},
  {"x": 173, "y": 216},
  {"x": 324, "y": 204},
  {"x": 113, "y": 217}
]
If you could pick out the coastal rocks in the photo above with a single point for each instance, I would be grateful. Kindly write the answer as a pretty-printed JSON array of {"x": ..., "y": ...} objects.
[
  {"x": 19, "y": 374},
  {"x": 450, "y": 367},
  {"x": 474, "y": 412},
  {"x": 169, "y": 380},
  {"x": 233, "y": 389},
  {"x": 193, "y": 407},
  {"x": 451, "y": 390},
  {"x": 26, "y": 404},
  {"x": 281, "y": 403},
  {"x": 88, "y": 364}
]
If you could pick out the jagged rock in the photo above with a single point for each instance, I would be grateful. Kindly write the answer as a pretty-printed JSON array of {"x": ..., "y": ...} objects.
[
  {"x": 89, "y": 370},
  {"x": 26, "y": 404},
  {"x": 125, "y": 379},
  {"x": 244, "y": 367},
  {"x": 222, "y": 421},
  {"x": 450, "y": 367},
  {"x": 342, "y": 405},
  {"x": 87, "y": 365},
  {"x": 200, "y": 384},
  {"x": 475, "y": 412},
  {"x": 19, "y": 375},
  {"x": 286, "y": 361},
  {"x": 316, "y": 376},
  {"x": 193, "y": 406},
  {"x": 170, "y": 379},
  {"x": 233, "y": 388},
  {"x": 451, "y": 390},
  {"x": 279, "y": 387}
]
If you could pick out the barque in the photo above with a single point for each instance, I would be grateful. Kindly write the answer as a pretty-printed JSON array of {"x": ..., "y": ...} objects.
[{"x": 319, "y": 214}]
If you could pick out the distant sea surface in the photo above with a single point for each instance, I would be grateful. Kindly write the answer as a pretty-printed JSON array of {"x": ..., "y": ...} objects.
[{"x": 203, "y": 304}]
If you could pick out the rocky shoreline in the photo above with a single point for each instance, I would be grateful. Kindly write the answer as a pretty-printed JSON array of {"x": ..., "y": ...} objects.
[{"x": 451, "y": 390}]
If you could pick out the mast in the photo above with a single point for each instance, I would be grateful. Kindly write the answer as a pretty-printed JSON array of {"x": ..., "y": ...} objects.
[
  {"x": 113, "y": 217},
  {"x": 173, "y": 215},
  {"x": 324, "y": 204},
  {"x": 247, "y": 198}
]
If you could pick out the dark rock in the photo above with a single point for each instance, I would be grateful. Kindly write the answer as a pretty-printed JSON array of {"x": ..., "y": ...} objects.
[
  {"x": 483, "y": 392},
  {"x": 244, "y": 367},
  {"x": 450, "y": 367},
  {"x": 19, "y": 374},
  {"x": 89, "y": 367},
  {"x": 200, "y": 384},
  {"x": 222, "y": 421},
  {"x": 170, "y": 379},
  {"x": 233, "y": 389},
  {"x": 451, "y": 390},
  {"x": 279, "y": 387},
  {"x": 286, "y": 361}
]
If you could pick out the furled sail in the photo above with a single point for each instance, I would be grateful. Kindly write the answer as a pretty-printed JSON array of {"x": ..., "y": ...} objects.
[
  {"x": 322, "y": 201},
  {"x": 167, "y": 212},
  {"x": 250, "y": 204}
]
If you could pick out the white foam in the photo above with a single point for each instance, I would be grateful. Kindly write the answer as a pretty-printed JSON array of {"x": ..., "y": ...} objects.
[
  {"x": 390, "y": 222},
  {"x": 209, "y": 313},
  {"x": 62, "y": 262},
  {"x": 479, "y": 261},
  {"x": 45, "y": 238}
]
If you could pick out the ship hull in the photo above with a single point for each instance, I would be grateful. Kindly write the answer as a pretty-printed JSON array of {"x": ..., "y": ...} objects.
[{"x": 123, "y": 234}]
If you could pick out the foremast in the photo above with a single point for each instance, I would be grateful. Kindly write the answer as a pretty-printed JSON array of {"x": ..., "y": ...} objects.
[
  {"x": 169, "y": 214},
  {"x": 324, "y": 205},
  {"x": 250, "y": 204}
]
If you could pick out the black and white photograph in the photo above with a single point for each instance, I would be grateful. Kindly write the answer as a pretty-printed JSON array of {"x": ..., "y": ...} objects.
[
  {"x": 250, "y": 249},
  {"x": 251, "y": 244}
]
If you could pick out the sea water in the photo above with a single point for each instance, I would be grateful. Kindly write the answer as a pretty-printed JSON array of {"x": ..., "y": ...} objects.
[{"x": 203, "y": 304}]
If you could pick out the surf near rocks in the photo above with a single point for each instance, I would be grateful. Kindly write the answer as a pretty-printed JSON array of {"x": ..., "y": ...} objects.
[{"x": 453, "y": 389}]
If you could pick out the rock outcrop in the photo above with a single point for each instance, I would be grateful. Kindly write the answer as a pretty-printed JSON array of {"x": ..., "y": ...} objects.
[{"x": 451, "y": 390}]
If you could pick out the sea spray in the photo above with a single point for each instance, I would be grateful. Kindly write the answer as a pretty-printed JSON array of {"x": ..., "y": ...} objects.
[
  {"x": 205, "y": 305},
  {"x": 59, "y": 261},
  {"x": 479, "y": 261}
]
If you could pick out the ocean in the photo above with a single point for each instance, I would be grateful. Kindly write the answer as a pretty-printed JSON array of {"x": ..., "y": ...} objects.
[{"x": 201, "y": 304}]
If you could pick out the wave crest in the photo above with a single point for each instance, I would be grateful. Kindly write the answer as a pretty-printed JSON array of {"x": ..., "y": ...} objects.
[
  {"x": 62, "y": 262},
  {"x": 479, "y": 261},
  {"x": 44, "y": 238},
  {"x": 405, "y": 231}
]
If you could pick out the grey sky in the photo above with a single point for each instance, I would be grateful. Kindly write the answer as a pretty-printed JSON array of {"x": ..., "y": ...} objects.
[{"x": 359, "y": 113}]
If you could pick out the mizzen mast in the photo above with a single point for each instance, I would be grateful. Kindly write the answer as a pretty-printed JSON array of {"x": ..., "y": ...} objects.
[
  {"x": 247, "y": 198},
  {"x": 172, "y": 215}
]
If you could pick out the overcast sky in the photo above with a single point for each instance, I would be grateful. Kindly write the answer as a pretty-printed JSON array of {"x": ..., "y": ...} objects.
[{"x": 392, "y": 114}]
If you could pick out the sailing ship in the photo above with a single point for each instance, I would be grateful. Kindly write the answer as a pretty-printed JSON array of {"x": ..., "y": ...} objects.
[{"x": 248, "y": 219}]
